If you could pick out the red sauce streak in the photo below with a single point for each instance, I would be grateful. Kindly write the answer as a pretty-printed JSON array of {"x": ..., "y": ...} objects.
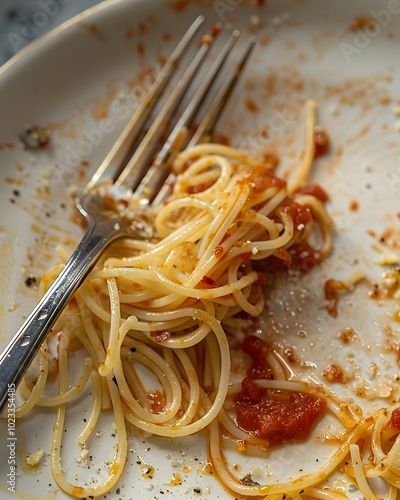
[
  {"x": 300, "y": 257},
  {"x": 246, "y": 256},
  {"x": 321, "y": 141},
  {"x": 215, "y": 29},
  {"x": 274, "y": 415},
  {"x": 361, "y": 23},
  {"x": 208, "y": 281},
  {"x": 304, "y": 257},
  {"x": 260, "y": 178},
  {"x": 259, "y": 351},
  {"x": 157, "y": 401},
  {"x": 261, "y": 280},
  {"x": 277, "y": 416},
  {"x": 354, "y": 206},
  {"x": 313, "y": 190},
  {"x": 334, "y": 373},
  {"x": 251, "y": 104},
  {"x": 347, "y": 335},
  {"x": 332, "y": 289},
  {"x": 299, "y": 213},
  {"x": 269, "y": 159},
  {"x": 395, "y": 418}
]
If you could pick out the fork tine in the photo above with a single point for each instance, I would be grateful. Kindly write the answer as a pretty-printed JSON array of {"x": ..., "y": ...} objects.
[
  {"x": 158, "y": 171},
  {"x": 116, "y": 158},
  {"x": 210, "y": 119},
  {"x": 134, "y": 171}
]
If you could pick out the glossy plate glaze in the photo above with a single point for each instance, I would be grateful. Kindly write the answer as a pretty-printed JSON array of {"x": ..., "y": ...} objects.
[{"x": 82, "y": 81}]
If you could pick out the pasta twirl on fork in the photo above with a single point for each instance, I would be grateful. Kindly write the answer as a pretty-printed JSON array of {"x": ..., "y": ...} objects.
[{"x": 168, "y": 307}]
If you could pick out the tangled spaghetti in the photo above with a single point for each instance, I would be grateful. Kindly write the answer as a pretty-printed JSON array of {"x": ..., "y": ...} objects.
[{"x": 167, "y": 306}]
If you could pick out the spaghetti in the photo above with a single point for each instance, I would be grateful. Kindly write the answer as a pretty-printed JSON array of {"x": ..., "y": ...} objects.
[{"x": 168, "y": 306}]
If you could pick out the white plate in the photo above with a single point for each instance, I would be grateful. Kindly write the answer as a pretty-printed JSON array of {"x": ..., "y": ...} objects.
[{"x": 70, "y": 80}]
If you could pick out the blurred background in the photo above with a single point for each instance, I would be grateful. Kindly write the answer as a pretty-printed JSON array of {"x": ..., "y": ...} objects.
[{"x": 22, "y": 21}]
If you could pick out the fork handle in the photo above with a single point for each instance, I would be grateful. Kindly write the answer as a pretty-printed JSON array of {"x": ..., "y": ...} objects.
[{"x": 23, "y": 347}]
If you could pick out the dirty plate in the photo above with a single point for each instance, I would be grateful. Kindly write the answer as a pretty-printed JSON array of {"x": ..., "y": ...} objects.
[{"x": 82, "y": 82}]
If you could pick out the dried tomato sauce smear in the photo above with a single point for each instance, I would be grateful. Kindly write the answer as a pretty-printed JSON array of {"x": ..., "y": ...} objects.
[{"x": 274, "y": 415}]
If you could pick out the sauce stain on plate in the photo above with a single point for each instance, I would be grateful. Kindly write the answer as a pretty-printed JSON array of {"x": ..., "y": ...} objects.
[{"x": 7, "y": 237}]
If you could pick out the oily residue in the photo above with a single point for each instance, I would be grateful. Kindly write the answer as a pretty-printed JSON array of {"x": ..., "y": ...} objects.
[
  {"x": 180, "y": 5},
  {"x": 7, "y": 237},
  {"x": 322, "y": 42},
  {"x": 101, "y": 105},
  {"x": 362, "y": 92},
  {"x": 6, "y": 145},
  {"x": 94, "y": 30},
  {"x": 362, "y": 23}
]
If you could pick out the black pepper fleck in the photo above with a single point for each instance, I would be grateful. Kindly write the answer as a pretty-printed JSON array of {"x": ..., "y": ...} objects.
[{"x": 30, "y": 280}]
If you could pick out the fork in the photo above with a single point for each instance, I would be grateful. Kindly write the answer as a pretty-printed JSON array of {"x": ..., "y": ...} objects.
[{"x": 125, "y": 176}]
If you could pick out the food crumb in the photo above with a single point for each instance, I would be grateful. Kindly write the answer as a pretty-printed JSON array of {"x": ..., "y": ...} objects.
[
  {"x": 251, "y": 105},
  {"x": 276, "y": 21},
  {"x": 354, "y": 206},
  {"x": 34, "y": 137},
  {"x": 255, "y": 21},
  {"x": 30, "y": 280}
]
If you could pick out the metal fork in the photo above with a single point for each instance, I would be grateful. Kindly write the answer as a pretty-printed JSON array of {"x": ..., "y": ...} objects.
[{"x": 126, "y": 176}]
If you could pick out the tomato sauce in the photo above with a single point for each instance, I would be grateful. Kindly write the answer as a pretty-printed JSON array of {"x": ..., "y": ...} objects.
[
  {"x": 313, "y": 190},
  {"x": 395, "y": 419},
  {"x": 274, "y": 415},
  {"x": 299, "y": 213},
  {"x": 300, "y": 257},
  {"x": 157, "y": 401},
  {"x": 304, "y": 257},
  {"x": 261, "y": 178},
  {"x": 321, "y": 142},
  {"x": 334, "y": 373},
  {"x": 259, "y": 351},
  {"x": 332, "y": 290}
]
